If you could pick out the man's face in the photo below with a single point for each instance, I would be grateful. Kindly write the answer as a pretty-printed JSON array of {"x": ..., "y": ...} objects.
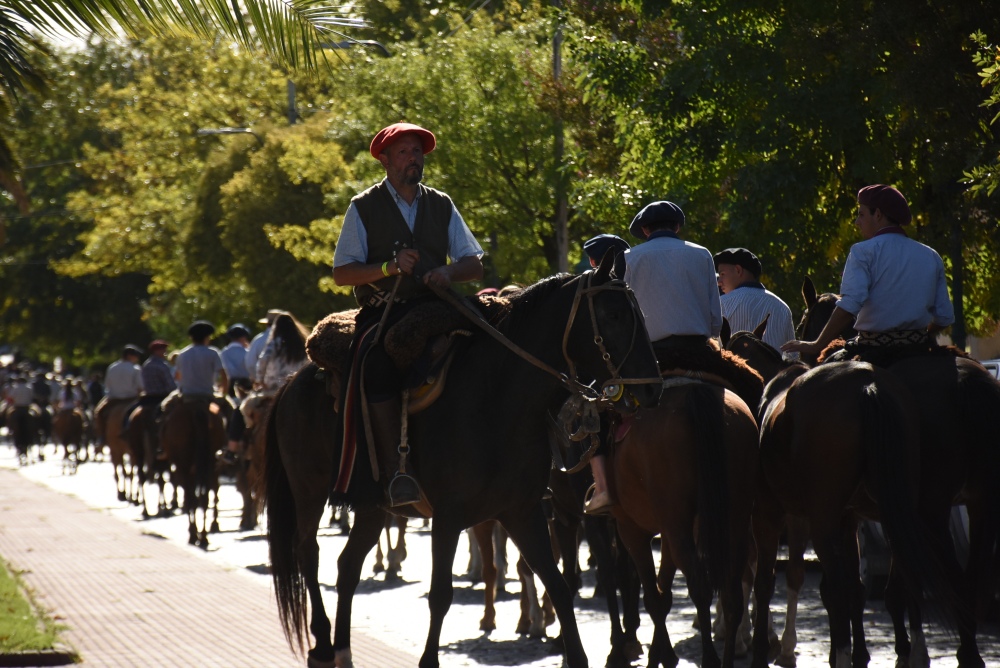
[
  {"x": 404, "y": 160},
  {"x": 868, "y": 221},
  {"x": 730, "y": 276}
]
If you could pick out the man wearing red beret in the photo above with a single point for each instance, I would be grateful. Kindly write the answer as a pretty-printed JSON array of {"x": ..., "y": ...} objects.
[
  {"x": 397, "y": 238},
  {"x": 893, "y": 288}
]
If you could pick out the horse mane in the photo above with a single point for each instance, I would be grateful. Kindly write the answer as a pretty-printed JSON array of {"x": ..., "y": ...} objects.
[{"x": 524, "y": 302}]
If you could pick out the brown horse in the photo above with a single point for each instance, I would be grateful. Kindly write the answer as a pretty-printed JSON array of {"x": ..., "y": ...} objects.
[
  {"x": 191, "y": 433},
  {"x": 680, "y": 472},
  {"x": 957, "y": 401},
  {"x": 839, "y": 442},
  {"x": 120, "y": 449},
  {"x": 68, "y": 431},
  {"x": 251, "y": 466},
  {"x": 768, "y": 362},
  {"x": 474, "y": 461},
  {"x": 150, "y": 466}
]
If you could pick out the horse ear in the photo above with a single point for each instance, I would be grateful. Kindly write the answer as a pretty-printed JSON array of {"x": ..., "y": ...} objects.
[
  {"x": 809, "y": 292},
  {"x": 726, "y": 332},
  {"x": 761, "y": 328},
  {"x": 603, "y": 272}
]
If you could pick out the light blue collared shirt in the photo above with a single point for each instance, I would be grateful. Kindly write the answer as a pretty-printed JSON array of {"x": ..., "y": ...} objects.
[
  {"x": 352, "y": 246},
  {"x": 892, "y": 283}
]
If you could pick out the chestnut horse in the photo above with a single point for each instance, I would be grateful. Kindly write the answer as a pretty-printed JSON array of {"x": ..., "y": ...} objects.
[
  {"x": 474, "y": 460},
  {"x": 681, "y": 472},
  {"x": 957, "y": 404}
]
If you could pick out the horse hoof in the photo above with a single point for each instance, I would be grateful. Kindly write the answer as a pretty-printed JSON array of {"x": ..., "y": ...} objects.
[
  {"x": 203, "y": 543},
  {"x": 215, "y": 527},
  {"x": 121, "y": 496},
  {"x": 633, "y": 650},
  {"x": 785, "y": 661}
]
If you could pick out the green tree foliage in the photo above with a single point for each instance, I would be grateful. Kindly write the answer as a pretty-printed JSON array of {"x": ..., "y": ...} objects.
[
  {"x": 47, "y": 313},
  {"x": 763, "y": 120}
]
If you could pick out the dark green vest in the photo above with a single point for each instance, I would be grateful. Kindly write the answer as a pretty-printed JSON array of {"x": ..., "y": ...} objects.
[{"x": 388, "y": 234}]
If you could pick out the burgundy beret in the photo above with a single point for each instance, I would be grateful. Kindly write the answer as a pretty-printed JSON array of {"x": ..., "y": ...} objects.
[
  {"x": 390, "y": 134},
  {"x": 889, "y": 200}
]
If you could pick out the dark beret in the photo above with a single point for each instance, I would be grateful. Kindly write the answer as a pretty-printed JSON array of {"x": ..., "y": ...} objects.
[
  {"x": 740, "y": 257},
  {"x": 390, "y": 134},
  {"x": 238, "y": 330},
  {"x": 655, "y": 215},
  {"x": 596, "y": 247},
  {"x": 132, "y": 350},
  {"x": 889, "y": 200},
  {"x": 199, "y": 329}
]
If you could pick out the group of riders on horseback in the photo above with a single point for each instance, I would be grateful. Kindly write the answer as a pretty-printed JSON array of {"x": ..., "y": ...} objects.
[{"x": 403, "y": 245}]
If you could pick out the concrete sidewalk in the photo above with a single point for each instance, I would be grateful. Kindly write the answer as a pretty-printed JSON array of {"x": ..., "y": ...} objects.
[{"x": 130, "y": 599}]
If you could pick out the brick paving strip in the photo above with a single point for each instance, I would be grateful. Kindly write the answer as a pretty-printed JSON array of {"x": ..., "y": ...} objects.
[{"x": 130, "y": 599}]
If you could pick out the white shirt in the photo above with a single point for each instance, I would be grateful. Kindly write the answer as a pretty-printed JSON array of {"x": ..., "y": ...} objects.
[
  {"x": 123, "y": 380},
  {"x": 748, "y": 305},
  {"x": 674, "y": 283}
]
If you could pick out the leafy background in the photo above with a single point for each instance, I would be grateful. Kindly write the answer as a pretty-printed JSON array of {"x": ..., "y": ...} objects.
[{"x": 761, "y": 119}]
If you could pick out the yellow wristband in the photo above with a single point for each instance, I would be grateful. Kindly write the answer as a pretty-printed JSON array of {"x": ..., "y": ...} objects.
[{"x": 385, "y": 268}]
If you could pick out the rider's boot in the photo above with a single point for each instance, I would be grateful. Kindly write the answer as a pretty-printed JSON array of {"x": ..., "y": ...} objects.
[{"x": 386, "y": 421}]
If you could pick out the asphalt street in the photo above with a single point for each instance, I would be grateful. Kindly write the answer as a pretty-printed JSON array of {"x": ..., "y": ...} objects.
[{"x": 395, "y": 611}]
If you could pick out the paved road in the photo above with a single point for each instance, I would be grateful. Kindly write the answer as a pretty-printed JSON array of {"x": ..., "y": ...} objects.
[{"x": 396, "y": 612}]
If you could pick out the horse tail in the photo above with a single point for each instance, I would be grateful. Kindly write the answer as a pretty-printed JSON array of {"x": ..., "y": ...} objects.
[
  {"x": 283, "y": 536},
  {"x": 705, "y": 407},
  {"x": 980, "y": 402},
  {"x": 889, "y": 443},
  {"x": 204, "y": 457}
]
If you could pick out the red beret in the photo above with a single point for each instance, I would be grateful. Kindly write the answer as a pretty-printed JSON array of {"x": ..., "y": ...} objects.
[
  {"x": 889, "y": 200},
  {"x": 390, "y": 134},
  {"x": 158, "y": 343}
]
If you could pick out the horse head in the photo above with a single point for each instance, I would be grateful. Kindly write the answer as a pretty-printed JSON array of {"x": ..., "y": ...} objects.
[
  {"x": 819, "y": 308},
  {"x": 607, "y": 336}
]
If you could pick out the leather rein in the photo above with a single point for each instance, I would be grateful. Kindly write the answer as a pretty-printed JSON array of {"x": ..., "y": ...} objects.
[{"x": 581, "y": 409}]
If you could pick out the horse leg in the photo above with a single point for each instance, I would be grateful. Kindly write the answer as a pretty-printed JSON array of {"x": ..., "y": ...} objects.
[
  {"x": 598, "y": 531},
  {"x": 637, "y": 542},
  {"x": 396, "y": 553},
  {"x": 766, "y": 522},
  {"x": 834, "y": 593},
  {"x": 500, "y": 555},
  {"x": 366, "y": 532},
  {"x": 856, "y": 592},
  {"x": 530, "y": 534},
  {"x": 474, "y": 571},
  {"x": 444, "y": 541},
  {"x": 532, "y": 620},
  {"x": 214, "y": 489},
  {"x": 379, "y": 566},
  {"x": 795, "y": 575},
  {"x": 681, "y": 550},
  {"x": 483, "y": 543}
]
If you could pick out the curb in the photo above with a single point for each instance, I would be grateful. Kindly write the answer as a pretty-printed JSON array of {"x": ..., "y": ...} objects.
[{"x": 58, "y": 656}]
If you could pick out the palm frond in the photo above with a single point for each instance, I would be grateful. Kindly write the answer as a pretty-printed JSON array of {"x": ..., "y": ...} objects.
[{"x": 288, "y": 31}]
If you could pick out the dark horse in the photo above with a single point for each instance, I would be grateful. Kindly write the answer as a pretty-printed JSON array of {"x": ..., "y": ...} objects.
[
  {"x": 836, "y": 441},
  {"x": 957, "y": 401},
  {"x": 191, "y": 433},
  {"x": 481, "y": 451},
  {"x": 681, "y": 472}
]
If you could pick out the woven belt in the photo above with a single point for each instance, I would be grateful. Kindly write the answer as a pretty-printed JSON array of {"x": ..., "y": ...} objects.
[
  {"x": 896, "y": 337},
  {"x": 380, "y": 298}
]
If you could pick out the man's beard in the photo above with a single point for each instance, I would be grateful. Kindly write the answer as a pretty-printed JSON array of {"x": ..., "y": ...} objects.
[{"x": 413, "y": 178}]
